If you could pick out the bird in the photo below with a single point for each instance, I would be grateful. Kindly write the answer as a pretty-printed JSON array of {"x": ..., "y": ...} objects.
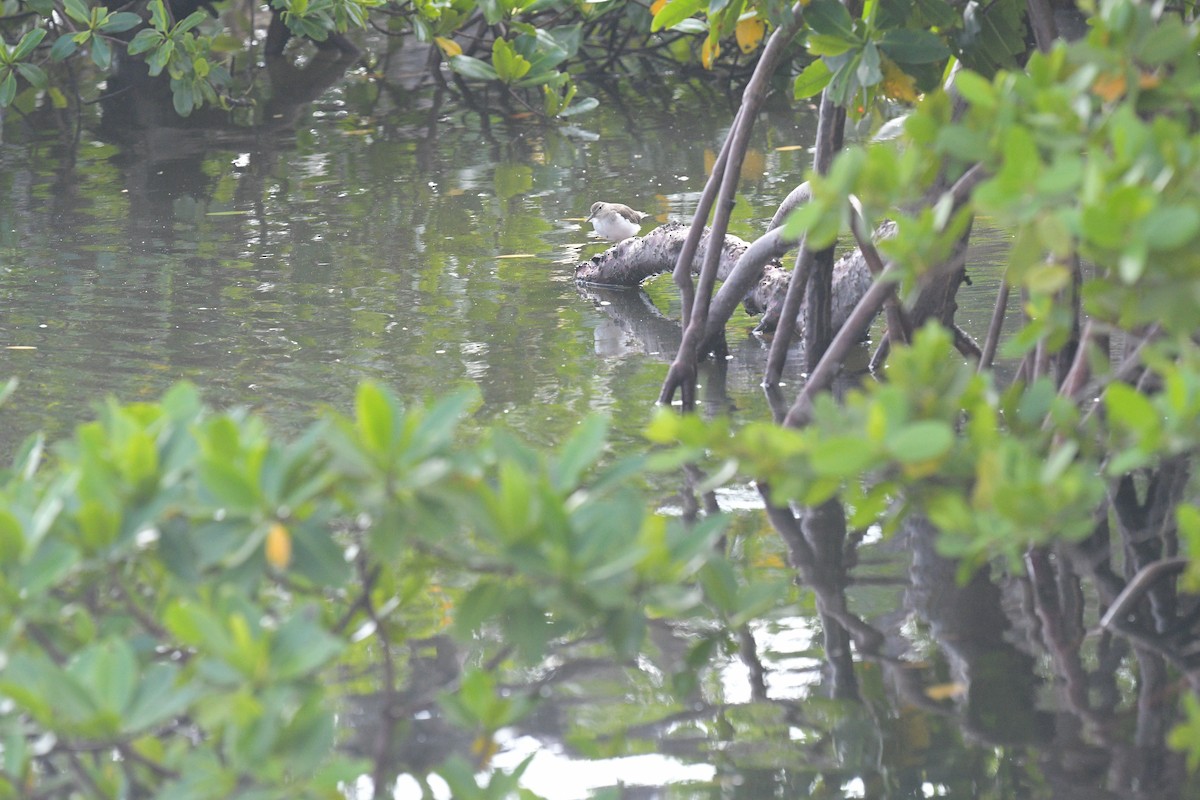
[{"x": 614, "y": 221}]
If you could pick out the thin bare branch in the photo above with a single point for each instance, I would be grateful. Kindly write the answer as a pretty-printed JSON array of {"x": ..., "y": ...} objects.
[{"x": 993, "y": 333}]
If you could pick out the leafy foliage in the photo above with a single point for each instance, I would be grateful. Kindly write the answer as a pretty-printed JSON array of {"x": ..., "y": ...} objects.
[
  {"x": 1088, "y": 157},
  {"x": 938, "y": 438},
  {"x": 179, "y": 586},
  {"x": 899, "y": 48}
]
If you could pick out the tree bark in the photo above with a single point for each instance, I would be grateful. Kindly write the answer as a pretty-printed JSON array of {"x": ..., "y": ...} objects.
[{"x": 739, "y": 263}]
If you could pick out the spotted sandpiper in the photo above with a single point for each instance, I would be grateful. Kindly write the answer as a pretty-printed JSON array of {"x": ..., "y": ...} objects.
[{"x": 614, "y": 221}]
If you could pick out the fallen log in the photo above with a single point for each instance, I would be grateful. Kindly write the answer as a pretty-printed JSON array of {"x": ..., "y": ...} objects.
[{"x": 752, "y": 264}]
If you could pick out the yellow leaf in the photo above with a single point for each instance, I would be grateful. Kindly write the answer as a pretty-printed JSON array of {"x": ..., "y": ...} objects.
[
  {"x": 749, "y": 33},
  {"x": 449, "y": 47},
  {"x": 709, "y": 52},
  {"x": 483, "y": 748},
  {"x": 770, "y": 561},
  {"x": 922, "y": 469},
  {"x": 279, "y": 546},
  {"x": 898, "y": 84},
  {"x": 1109, "y": 87},
  {"x": 945, "y": 691},
  {"x": 987, "y": 475},
  {"x": 657, "y": 6}
]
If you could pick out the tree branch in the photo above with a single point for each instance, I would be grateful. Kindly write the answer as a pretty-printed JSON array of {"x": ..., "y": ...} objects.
[{"x": 682, "y": 374}]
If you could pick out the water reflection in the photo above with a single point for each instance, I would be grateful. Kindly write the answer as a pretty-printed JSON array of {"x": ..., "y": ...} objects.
[
  {"x": 955, "y": 690},
  {"x": 368, "y": 233}
]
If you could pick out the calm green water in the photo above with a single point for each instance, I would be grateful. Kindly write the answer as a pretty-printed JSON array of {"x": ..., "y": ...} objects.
[
  {"x": 395, "y": 235},
  {"x": 423, "y": 246}
]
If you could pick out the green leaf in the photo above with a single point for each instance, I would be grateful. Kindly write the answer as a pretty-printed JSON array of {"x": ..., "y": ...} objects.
[
  {"x": 120, "y": 22},
  {"x": 485, "y": 600},
  {"x": 158, "y": 698},
  {"x": 317, "y": 556},
  {"x": 674, "y": 12},
  {"x": 1170, "y": 227},
  {"x": 831, "y": 18},
  {"x": 196, "y": 626},
  {"x": 842, "y": 456},
  {"x": 78, "y": 11},
  {"x": 47, "y": 692},
  {"x": 869, "y": 72},
  {"x": 844, "y": 83},
  {"x": 625, "y": 630},
  {"x": 1046, "y": 278},
  {"x": 975, "y": 89},
  {"x": 63, "y": 47},
  {"x": 192, "y": 20},
  {"x": 527, "y": 627},
  {"x": 1132, "y": 261},
  {"x": 820, "y": 44},
  {"x": 908, "y": 46},
  {"x": 812, "y": 80},
  {"x": 1165, "y": 42},
  {"x": 29, "y": 456},
  {"x": 757, "y": 599},
  {"x": 473, "y": 68},
  {"x": 493, "y": 11},
  {"x": 50, "y": 563},
  {"x": 229, "y": 487},
  {"x": 581, "y": 451},
  {"x": 101, "y": 52},
  {"x": 34, "y": 74},
  {"x": 374, "y": 417},
  {"x": 299, "y": 647},
  {"x": 160, "y": 57},
  {"x": 938, "y": 12},
  {"x": 1130, "y": 409},
  {"x": 12, "y": 537},
  {"x": 921, "y": 441},
  {"x": 720, "y": 586},
  {"x": 28, "y": 42},
  {"x": 145, "y": 40},
  {"x": 8, "y": 88},
  {"x": 582, "y": 106},
  {"x": 459, "y": 775},
  {"x": 158, "y": 15},
  {"x": 16, "y": 751},
  {"x": 1057, "y": 462},
  {"x": 510, "y": 65},
  {"x": 110, "y": 672},
  {"x": 691, "y": 25},
  {"x": 308, "y": 738},
  {"x": 439, "y": 423}
]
